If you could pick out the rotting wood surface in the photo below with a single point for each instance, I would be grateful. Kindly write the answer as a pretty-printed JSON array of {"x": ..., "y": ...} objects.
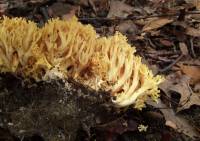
[{"x": 54, "y": 110}]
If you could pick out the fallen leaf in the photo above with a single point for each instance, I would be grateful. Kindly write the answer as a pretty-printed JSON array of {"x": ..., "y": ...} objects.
[
  {"x": 183, "y": 48},
  {"x": 168, "y": 83},
  {"x": 37, "y": 1},
  {"x": 156, "y": 23},
  {"x": 196, "y": 3},
  {"x": 192, "y": 31},
  {"x": 127, "y": 27},
  {"x": 63, "y": 10},
  {"x": 194, "y": 99},
  {"x": 197, "y": 87},
  {"x": 166, "y": 42},
  {"x": 119, "y": 9},
  {"x": 174, "y": 120},
  {"x": 181, "y": 24},
  {"x": 192, "y": 71},
  {"x": 3, "y": 7},
  {"x": 181, "y": 87},
  {"x": 70, "y": 14},
  {"x": 158, "y": 1},
  {"x": 140, "y": 22},
  {"x": 171, "y": 124}
]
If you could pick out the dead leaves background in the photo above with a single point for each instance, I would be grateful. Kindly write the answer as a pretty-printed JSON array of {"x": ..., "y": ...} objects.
[{"x": 159, "y": 39}]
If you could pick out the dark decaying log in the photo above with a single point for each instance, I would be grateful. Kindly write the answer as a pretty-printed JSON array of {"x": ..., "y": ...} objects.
[{"x": 56, "y": 110}]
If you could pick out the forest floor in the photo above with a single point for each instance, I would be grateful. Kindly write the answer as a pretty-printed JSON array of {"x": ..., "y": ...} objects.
[{"x": 166, "y": 33}]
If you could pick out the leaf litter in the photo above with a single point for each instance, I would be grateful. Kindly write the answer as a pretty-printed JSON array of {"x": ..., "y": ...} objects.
[{"x": 161, "y": 31}]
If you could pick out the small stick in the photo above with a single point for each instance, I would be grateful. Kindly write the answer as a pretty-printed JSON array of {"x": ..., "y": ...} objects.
[
  {"x": 162, "y": 59},
  {"x": 134, "y": 17},
  {"x": 163, "y": 53},
  {"x": 151, "y": 43},
  {"x": 192, "y": 48},
  {"x": 171, "y": 65}
]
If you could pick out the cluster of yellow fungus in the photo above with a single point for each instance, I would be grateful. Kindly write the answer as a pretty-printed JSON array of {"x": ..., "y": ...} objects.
[{"x": 68, "y": 49}]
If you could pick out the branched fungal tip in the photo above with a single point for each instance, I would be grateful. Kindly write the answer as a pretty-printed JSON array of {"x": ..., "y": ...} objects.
[{"x": 70, "y": 49}]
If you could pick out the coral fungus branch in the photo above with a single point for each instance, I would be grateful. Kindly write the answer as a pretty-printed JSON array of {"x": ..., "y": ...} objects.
[{"x": 69, "y": 49}]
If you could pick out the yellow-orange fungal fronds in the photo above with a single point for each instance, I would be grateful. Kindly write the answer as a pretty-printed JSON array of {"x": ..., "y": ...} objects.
[
  {"x": 20, "y": 50},
  {"x": 69, "y": 49}
]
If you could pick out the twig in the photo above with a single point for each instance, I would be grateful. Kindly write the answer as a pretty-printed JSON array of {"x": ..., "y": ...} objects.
[
  {"x": 171, "y": 65},
  {"x": 151, "y": 43},
  {"x": 166, "y": 53},
  {"x": 193, "y": 12},
  {"x": 160, "y": 58},
  {"x": 134, "y": 17},
  {"x": 192, "y": 48},
  {"x": 120, "y": 18},
  {"x": 192, "y": 64},
  {"x": 93, "y": 6}
]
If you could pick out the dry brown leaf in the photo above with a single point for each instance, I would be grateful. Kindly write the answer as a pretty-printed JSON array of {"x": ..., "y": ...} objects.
[
  {"x": 196, "y": 3},
  {"x": 194, "y": 99},
  {"x": 166, "y": 42},
  {"x": 170, "y": 80},
  {"x": 197, "y": 87},
  {"x": 192, "y": 71},
  {"x": 192, "y": 32},
  {"x": 140, "y": 22},
  {"x": 127, "y": 27},
  {"x": 185, "y": 92},
  {"x": 181, "y": 87},
  {"x": 183, "y": 48},
  {"x": 3, "y": 7},
  {"x": 63, "y": 10},
  {"x": 70, "y": 14},
  {"x": 174, "y": 120},
  {"x": 156, "y": 23},
  {"x": 119, "y": 9},
  {"x": 37, "y": 1},
  {"x": 171, "y": 124}
]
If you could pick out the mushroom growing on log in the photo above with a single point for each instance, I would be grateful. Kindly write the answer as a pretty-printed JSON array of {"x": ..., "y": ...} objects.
[{"x": 63, "y": 50}]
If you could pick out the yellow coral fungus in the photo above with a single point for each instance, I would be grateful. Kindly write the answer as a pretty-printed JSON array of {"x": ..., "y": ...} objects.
[{"x": 69, "y": 49}]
